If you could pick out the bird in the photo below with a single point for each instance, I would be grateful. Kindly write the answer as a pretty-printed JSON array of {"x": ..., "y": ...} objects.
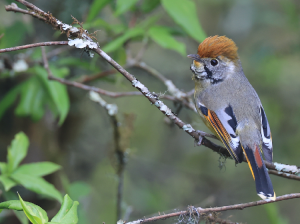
[{"x": 230, "y": 107}]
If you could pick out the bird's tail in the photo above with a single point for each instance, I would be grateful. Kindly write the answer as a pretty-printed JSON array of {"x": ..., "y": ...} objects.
[{"x": 260, "y": 174}]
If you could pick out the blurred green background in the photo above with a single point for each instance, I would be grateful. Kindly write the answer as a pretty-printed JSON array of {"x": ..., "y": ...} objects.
[{"x": 164, "y": 171}]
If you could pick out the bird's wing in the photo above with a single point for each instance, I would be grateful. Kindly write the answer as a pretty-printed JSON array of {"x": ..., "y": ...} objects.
[
  {"x": 267, "y": 145},
  {"x": 224, "y": 123}
]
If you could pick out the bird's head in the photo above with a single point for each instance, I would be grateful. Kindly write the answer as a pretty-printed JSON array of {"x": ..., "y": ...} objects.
[{"x": 215, "y": 60}]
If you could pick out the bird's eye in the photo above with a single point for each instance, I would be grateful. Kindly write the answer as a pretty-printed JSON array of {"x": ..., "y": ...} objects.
[{"x": 214, "y": 62}]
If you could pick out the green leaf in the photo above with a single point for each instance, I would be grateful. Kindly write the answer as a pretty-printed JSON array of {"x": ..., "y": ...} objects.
[
  {"x": 14, "y": 34},
  {"x": 7, "y": 182},
  {"x": 37, "y": 169},
  {"x": 31, "y": 100},
  {"x": 56, "y": 90},
  {"x": 96, "y": 8},
  {"x": 68, "y": 212},
  {"x": 3, "y": 167},
  {"x": 12, "y": 204},
  {"x": 8, "y": 99},
  {"x": 124, "y": 6},
  {"x": 33, "y": 209},
  {"x": 9, "y": 195},
  {"x": 184, "y": 13},
  {"x": 17, "y": 151},
  {"x": 35, "y": 214},
  {"x": 162, "y": 36},
  {"x": 149, "y": 5},
  {"x": 37, "y": 184},
  {"x": 115, "y": 44}
]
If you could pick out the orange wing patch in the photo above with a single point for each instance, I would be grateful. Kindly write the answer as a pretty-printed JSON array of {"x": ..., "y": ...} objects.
[{"x": 221, "y": 131}]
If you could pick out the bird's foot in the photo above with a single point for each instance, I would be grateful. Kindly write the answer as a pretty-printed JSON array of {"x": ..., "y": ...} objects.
[{"x": 198, "y": 142}]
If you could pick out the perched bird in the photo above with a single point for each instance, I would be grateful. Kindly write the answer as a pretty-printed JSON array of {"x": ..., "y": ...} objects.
[{"x": 231, "y": 108}]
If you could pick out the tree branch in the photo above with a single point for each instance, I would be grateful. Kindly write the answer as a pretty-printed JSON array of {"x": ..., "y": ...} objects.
[
  {"x": 153, "y": 98},
  {"x": 201, "y": 211},
  {"x": 34, "y": 45},
  {"x": 14, "y": 8}
]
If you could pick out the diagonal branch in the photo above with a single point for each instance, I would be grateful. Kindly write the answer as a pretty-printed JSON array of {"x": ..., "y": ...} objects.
[{"x": 143, "y": 90}]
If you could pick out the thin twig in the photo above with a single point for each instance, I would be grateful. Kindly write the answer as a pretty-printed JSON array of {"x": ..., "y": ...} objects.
[
  {"x": 32, "y": 7},
  {"x": 216, "y": 209},
  {"x": 151, "y": 70},
  {"x": 51, "y": 43},
  {"x": 285, "y": 175},
  {"x": 14, "y": 8},
  {"x": 112, "y": 110}
]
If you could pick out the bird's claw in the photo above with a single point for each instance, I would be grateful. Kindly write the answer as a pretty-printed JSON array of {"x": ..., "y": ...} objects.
[{"x": 199, "y": 142}]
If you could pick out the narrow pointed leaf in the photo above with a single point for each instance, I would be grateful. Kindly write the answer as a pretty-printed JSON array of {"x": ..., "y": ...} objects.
[
  {"x": 37, "y": 169},
  {"x": 184, "y": 13},
  {"x": 95, "y": 8},
  {"x": 115, "y": 44},
  {"x": 8, "y": 99},
  {"x": 163, "y": 37},
  {"x": 57, "y": 91},
  {"x": 124, "y": 5},
  {"x": 11, "y": 197},
  {"x": 32, "y": 214},
  {"x": 17, "y": 151},
  {"x": 7, "y": 182},
  {"x": 3, "y": 167},
  {"x": 38, "y": 185}
]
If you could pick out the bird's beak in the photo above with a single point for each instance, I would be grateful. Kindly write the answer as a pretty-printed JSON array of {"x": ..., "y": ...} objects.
[{"x": 194, "y": 57}]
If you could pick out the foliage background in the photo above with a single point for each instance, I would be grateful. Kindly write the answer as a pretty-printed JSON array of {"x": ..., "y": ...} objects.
[{"x": 164, "y": 170}]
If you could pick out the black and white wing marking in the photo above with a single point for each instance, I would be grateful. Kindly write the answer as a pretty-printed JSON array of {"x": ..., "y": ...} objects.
[
  {"x": 267, "y": 145},
  {"x": 224, "y": 123}
]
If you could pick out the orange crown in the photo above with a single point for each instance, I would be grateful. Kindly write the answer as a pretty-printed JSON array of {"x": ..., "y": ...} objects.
[{"x": 215, "y": 46}]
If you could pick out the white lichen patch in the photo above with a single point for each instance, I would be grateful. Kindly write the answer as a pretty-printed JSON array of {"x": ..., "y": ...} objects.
[
  {"x": 158, "y": 103},
  {"x": 82, "y": 43},
  {"x": 20, "y": 66},
  {"x": 112, "y": 109},
  {"x": 166, "y": 110},
  {"x": 135, "y": 222},
  {"x": 66, "y": 26},
  {"x": 188, "y": 128},
  {"x": 58, "y": 22},
  {"x": 139, "y": 85},
  {"x": 149, "y": 95},
  {"x": 74, "y": 29},
  {"x": 286, "y": 168}
]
